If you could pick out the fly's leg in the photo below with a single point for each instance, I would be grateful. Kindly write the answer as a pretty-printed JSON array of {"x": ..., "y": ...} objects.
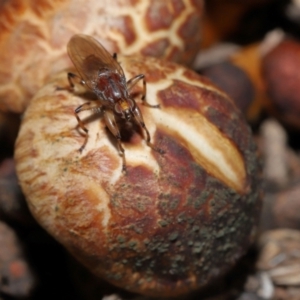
[
  {"x": 95, "y": 106},
  {"x": 133, "y": 81},
  {"x": 110, "y": 122},
  {"x": 139, "y": 118},
  {"x": 71, "y": 77}
]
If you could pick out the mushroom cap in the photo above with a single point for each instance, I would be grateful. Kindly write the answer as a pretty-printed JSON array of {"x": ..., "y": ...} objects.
[
  {"x": 33, "y": 36},
  {"x": 175, "y": 221}
]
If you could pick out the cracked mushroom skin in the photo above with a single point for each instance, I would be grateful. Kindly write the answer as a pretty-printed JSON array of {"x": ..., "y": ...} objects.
[
  {"x": 33, "y": 37},
  {"x": 175, "y": 221}
]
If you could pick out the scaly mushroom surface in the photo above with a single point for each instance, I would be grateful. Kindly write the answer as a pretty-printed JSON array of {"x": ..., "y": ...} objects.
[{"x": 175, "y": 221}]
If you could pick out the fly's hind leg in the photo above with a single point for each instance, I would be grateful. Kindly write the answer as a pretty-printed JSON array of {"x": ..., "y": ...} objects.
[
  {"x": 110, "y": 122},
  {"x": 133, "y": 81},
  {"x": 95, "y": 106},
  {"x": 71, "y": 77},
  {"x": 71, "y": 87},
  {"x": 139, "y": 118}
]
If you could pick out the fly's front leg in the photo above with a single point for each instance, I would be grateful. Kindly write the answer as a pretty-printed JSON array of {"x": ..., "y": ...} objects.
[
  {"x": 133, "y": 81},
  {"x": 110, "y": 122},
  {"x": 139, "y": 118},
  {"x": 96, "y": 106}
]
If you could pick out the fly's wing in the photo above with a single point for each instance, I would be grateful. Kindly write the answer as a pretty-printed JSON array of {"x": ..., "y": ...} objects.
[{"x": 90, "y": 57}]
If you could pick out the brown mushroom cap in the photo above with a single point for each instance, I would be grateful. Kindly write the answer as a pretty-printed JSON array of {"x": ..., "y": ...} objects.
[
  {"x": 175, "y": 221},
  {"x": 33, "y": 37}
]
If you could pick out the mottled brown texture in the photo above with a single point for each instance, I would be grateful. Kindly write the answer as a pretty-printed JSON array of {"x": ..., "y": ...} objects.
[
  {"x": 188, "y": 30},
  {"x": 126, "y": 27},
  {"x": 33, "y": 37},
  {"x": 161, "y": 16},
  {"x": 195, "y": 76},
  {"x": 180, "y": 95},
  {"x": 174, "y": 222},
  {"x": 280, "y": 69},
  {"x": 158, "y": 47}
]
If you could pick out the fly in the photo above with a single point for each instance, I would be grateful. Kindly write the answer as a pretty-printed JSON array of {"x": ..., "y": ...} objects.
[{"x": 102, "y": 74}]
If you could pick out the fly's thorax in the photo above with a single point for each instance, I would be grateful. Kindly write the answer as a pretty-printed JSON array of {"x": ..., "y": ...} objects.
[{"x": 111, "y": 86}]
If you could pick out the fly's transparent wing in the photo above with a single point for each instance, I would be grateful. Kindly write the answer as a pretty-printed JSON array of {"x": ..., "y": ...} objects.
[{"x": 90, "y": 58}]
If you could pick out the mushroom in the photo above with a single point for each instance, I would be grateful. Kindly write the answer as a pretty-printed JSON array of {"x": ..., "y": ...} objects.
[
  {"x": 33, "y": 37},
  {"x": 174, "y": 222}
]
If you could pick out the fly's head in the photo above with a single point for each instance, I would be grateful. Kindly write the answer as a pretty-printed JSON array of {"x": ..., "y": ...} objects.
[{"x": 124, "y": 108}]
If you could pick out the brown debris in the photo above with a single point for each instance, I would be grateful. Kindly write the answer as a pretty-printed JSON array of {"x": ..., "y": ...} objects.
[
  {"x": 12, "y": 202},
  {"x": 280, "y": 68},
  {"x": 274, "y": 145},
  {"x": 16, "y": 278},
  {"x": 279, "y": 256}
]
